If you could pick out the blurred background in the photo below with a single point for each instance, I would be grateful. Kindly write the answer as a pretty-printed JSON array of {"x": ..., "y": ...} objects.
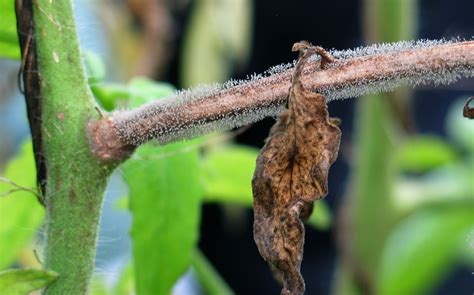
[{"x": 399, "y": 217}]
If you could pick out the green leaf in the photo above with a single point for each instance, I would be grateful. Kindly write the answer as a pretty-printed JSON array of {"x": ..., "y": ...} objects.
[
  {"x": 138, "y": 91},
  {"x": 24, "y": 281},
  {"x": 95, "y": 68},
  {"x": 111, "y": 95},
  {"x": 423, "y": 247},
  {"x": 424, "y": 153},
  {"x": 145, "y": 90},
  {"x": 21, "y": 213},
  {"x": 228, "y": 172},
  {"x": 165, "y": 198},
  {"x": 9, "y": 45},
  {"x": 208, "y": 276}
]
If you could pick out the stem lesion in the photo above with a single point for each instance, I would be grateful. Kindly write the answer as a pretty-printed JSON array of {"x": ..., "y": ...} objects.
[
  {"x": 375, "y": 69},
  {"x": 105, "y": 142}
]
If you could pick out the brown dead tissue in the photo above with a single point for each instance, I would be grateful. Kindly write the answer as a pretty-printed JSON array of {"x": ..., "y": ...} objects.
[{"x": 291, "y": 173}]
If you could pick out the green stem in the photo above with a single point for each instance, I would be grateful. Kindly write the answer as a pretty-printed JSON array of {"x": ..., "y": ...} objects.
[
  {"x": 373, "y": 179},
  {"x": 371, "y": 211},
  {"x": 210, "y": 280},
  {"x": 75, "y": 180},
  {"x": 375, "y": 173}
]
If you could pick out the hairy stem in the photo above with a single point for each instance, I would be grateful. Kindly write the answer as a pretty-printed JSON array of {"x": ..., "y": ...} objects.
[
  {"x": 75, "y": 180},
  {"x": 183, "y": 116}
]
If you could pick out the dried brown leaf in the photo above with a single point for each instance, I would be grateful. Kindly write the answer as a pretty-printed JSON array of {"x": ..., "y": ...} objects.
[{"x": 291, "y": 173}]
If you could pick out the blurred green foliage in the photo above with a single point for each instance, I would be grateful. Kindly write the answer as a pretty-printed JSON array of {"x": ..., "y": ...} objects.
[
  {"x": 21, "y": 214},
  {"x": 424, "y": 153},
  {"x": 94, "y": 67},
  {"x": 24, "y": 281},
  {"x": 420, "y": 225},
  {"x": 9, "y": 46},
  {"x": 126, "y": 282},
  {"x": 422, "y": 248},
  {"x": 216, "y": 41},
  {"x": 374, "y": 171},
  {"x": 373, "y": 177},
  {"x": 411, "y": 198},
  {"x": 228, "y": 172}
]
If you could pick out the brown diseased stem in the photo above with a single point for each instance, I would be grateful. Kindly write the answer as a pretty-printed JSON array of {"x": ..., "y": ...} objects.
[{"x": 343, "y": 78}]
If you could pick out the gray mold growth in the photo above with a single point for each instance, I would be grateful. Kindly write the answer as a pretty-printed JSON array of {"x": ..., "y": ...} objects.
[
  {"x": 417, "y": 77},
  {"x": 183, "y": 130}
]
